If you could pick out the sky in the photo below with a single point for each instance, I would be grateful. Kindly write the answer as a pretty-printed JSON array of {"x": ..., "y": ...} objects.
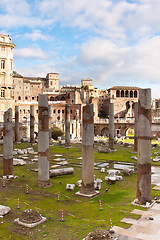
[{"x": 113, "y": 42}]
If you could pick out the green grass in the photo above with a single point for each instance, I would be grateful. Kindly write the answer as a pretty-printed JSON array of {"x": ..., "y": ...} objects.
[{"x": 81, "y": 215}]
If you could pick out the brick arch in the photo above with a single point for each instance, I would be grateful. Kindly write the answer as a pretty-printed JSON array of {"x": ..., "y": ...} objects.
[{"x": 105, "y": 131}]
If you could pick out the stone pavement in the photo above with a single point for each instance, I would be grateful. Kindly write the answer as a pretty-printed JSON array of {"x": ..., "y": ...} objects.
[{"x": 143, "y": 228}]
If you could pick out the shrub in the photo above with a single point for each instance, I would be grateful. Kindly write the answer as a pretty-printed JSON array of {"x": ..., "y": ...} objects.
[{"x": 56, "y": 132}]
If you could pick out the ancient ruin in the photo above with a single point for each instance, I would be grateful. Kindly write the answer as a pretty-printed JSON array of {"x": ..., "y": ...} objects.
[
  {"x": 32, "y": 124},
  {"x": 43, "y": 142},
  {"x": 8, "y": 143},
  {"x": 144, "y": 147},
  {"x": 17, "y": 139},
  {"x": 67, "y": 125}
]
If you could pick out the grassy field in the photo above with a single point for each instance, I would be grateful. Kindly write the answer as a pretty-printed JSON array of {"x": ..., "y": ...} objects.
[{"x": 81, "y": 215}]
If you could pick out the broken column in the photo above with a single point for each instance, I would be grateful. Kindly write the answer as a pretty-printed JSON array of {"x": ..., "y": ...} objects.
[
  {"x": 111, "y": 125},
  {"x": 31, "y": 123},
  {"x": 136, "y": 128},
  {"x": 144, "y": 147},
  {"x": 43, "y": 142},
  {"x": 50, "y": 131},
  {"x": 8, "y": 143},
  {"x": 17, "y": 124},
  {"x": 87, "y": 187},
  {"x": 67, "y": 125}
]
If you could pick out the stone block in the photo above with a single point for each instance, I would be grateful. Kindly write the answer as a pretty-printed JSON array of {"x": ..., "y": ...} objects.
[
  {"x": 18, "y": 162},
  {"x": 4, "y": 210},
  {"x": 70, "y": 187}
]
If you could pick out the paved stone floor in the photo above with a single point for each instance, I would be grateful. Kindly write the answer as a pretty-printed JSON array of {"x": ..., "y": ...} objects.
[{"x": 143, "y": 228}]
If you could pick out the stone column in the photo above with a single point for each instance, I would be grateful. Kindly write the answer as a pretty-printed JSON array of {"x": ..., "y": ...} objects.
[
  {"x": 50, "y": 131},
  {"x": 8, "y": 143},
  {"x": 43, "y": 141},
  {"x": 31, "y": 123},
  {"x": 111, "y": 125},
  {"x": 67, "y": 125},
  {"x": 77, "y": 124},
  {"x": 144, "y": 147},
  {"x": 88, "y": 151},
  {"x": 136, "y": 128},
  {"x": 17, "y": 137}
]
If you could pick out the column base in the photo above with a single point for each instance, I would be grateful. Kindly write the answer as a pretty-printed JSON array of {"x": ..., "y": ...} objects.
[
  {"x": 44, "y": 184},
  {"x": 91, "y": 195}
]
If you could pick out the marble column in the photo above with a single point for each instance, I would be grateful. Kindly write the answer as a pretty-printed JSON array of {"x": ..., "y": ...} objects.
[
  {"x": 67, "y": 125},
  {"x": 88, "y": 151},
  {"x": 17, "y": 137},
  {"x": 111, "y": 125},
  {"x": 144, "y": 147},
  {"x": 8, "y": 143},
  {"x": 50, "y": 131},
  {"x": 43, "y": 142},
  {"x": 136, "y": 128},
  {"x": 31, "y": 123}
]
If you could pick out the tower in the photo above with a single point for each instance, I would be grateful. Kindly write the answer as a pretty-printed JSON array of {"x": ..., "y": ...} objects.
[{"x": 6, "y": 78}]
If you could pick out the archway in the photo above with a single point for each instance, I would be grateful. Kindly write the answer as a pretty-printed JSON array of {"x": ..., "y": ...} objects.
[{"x": 105, "y": 131}]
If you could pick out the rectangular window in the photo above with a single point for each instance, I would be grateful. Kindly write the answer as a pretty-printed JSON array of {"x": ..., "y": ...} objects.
[
  {"x": 2, "y": 64},
  {"x": 2, "y": 93},
  {"x": 3, "y": 48}
]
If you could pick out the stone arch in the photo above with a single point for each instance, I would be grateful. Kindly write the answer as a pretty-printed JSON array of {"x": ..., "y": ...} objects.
[
  {"x": 105, "y": 131},
  {"x": 51, "y": 98},
  {"x": 129, "y": 131}
]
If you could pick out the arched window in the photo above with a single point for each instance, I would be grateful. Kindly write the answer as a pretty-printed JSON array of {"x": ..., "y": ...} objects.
[
  {"x": 19, "y": 97},
  {"x": 126, "y": 93},
  {"x": 131, "y": 93},
  {"x": 51, "y": 98},
  {"x": 122, "y": 93},
  {"x": 117, "y": 93},
  {"x": 135, "y": 94}
]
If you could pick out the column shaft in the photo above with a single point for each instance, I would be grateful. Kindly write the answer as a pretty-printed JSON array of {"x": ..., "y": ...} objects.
[
  {"x": 144, "y": 147},
  {"x": 43, "y": 141},
  {"x": 8, "y": 143}
]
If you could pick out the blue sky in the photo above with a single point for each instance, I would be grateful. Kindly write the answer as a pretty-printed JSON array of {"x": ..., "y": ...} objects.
[{"x": 114, "y": 42}]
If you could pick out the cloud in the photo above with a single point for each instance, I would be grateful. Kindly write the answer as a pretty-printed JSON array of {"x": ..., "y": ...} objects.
[
  {"x": 30, "y": 53},
  {"x": 35, "y": 35}
]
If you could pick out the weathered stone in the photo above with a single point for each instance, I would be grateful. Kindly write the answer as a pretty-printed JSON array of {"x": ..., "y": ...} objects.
[
  {"x": 128, "y": 171},
  {"x": 43, "y": 142},
  {"x": 144, "y": 147},
  {"x": 17, "y": 136},
  {"x": 111, "y": 125},
  {"x": 61, "y": 171},
  {"x": 134, "y": 157},
  {"x": 4, "y": 210},
  {"x": 67, "y": 125},
  {"x": 18, "y": 162},
  {"x": 32, "y": 124},
  {"x": 88, "y": 151},
  {"x": 70, "y": 187},
  {"x": 8, "y": 143}
]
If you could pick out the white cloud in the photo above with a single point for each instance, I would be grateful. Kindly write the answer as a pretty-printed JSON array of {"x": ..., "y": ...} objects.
[
  {"x": 35, "y": 35},
  {"x": 29, "y": 53}
]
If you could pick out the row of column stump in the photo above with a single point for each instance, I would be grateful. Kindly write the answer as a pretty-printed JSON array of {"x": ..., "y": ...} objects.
[{"x": 142, "y": 143}]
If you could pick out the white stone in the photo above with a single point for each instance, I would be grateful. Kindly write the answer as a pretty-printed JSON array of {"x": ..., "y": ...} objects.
[
  {"x": 30, "y": 150},
  {"x": 4, "y": 210},
  {"x": 102, "y": 170},
  {"x": 79, "y": 183},
  {"x": 30, "y": 225},
  {"x": 18, "y": 162},
  {"x": 134, "y": 157},
  {"x": 113, "y": 172},
  {"x": 63, "y": 163},
  {"x": 70, "y": 186}
]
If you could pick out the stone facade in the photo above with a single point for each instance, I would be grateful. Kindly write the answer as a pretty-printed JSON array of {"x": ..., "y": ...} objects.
[{"x": 6, "y": 78}]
